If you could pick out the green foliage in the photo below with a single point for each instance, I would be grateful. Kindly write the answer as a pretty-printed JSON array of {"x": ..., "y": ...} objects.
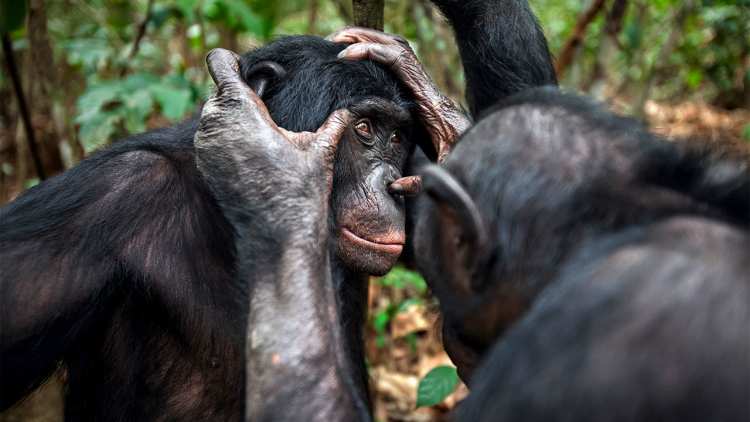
[
  {"x": 746, "y": 133},
  {"x": 401, "y": 278},
  {"x": 12, "y": 15},
  {"x": 115, "y": 107},
  {"x": 438, "y": 384},
  {"x": 406, "y": 284}
]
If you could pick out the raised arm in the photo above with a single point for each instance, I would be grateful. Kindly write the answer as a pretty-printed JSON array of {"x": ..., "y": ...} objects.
[
  {"x": 502, "y": 46},
  {"x": 274, "y": 187}
]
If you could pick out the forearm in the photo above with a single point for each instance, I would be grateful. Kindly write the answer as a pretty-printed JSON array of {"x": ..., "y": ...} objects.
[
  {"x": 293, "y": 341},
  {"x": 502, "y": 46}
]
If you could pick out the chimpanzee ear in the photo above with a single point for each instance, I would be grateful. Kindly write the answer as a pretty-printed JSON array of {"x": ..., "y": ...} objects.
[
  {"x": 262, "y": 75},
  {"x": 461, "y": 225}
]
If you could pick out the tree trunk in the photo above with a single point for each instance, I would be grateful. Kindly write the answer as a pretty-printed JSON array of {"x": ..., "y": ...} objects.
[
  {"x": 42, "y": 82},
  {"x": 369, "y": 13}
]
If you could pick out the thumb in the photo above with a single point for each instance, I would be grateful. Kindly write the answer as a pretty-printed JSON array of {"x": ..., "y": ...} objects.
[
  {"x": 328, "y": 136},
  {"x": 224, "y": 67}
]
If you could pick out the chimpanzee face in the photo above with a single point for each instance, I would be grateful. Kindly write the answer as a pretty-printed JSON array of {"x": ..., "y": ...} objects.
[
  {"x": 368, "y": 221},
  {"x": 302, "y": 81}
]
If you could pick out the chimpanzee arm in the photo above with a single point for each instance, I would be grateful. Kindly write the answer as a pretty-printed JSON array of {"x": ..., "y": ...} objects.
[
  {"x": 274, "y": 186},
  {"x": 503, "y": 49},
  {"x": 125, "y": 222}
]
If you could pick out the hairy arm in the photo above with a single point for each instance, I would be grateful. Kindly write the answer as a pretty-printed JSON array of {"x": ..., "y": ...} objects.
[{"x": 502, "y": 46}]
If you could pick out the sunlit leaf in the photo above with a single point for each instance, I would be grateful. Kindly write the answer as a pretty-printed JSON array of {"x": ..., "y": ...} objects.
[
  {"x": 174, "y": 102},
  {"x": 438, "y": 384}
]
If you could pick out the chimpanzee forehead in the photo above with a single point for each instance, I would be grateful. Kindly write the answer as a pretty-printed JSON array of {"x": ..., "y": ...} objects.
[
  {"x": 317, "y": 82},
  {"x": 384, "y": 109}
]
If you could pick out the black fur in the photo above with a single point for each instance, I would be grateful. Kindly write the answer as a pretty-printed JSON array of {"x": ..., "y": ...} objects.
[
  {"x": 605, "y": 278},
  {"x": 122, "y": 268},
  {"x": 624, "y": 254},
  {"x": 502, "y": 46}
]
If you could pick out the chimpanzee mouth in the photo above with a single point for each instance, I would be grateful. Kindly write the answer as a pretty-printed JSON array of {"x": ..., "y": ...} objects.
[{"x": 391, "y": 244}]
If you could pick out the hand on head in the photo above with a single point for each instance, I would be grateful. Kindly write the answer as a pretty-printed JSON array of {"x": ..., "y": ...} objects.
[
  {"x": 248, "y": 160},
  {"x": 443, "y": 118}
]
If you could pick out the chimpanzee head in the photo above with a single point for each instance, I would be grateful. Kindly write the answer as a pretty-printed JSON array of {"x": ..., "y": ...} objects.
[
  {"x": 302, "y": 81},
  {"x": 529, "y": 186}
]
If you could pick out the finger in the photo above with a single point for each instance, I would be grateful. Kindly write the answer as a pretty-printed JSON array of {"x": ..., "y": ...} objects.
[
  {"x": 359, "y": 35},
  {"x": 386, "y": 55},
  {"x": 330, "y": 133},
  {"x": 224, "y": 67},
  {"x": 444, "y": 150},
  {"x": 406, "y": 186}
]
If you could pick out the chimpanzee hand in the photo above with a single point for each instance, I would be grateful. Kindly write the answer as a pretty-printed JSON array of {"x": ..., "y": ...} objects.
[
  {"x": 255, "y": 168},
  {"x": 443, "y": 118}
]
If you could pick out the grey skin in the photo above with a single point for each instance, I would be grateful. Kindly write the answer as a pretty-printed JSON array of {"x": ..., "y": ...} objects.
[{"x": 296, "y": 366}]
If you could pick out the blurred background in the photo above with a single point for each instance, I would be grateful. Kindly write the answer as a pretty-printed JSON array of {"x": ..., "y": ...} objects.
[{"x": 95, "y": 71}]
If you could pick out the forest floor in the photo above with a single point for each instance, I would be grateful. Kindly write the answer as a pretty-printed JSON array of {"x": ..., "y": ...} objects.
[{"x": 401, "y": 351}]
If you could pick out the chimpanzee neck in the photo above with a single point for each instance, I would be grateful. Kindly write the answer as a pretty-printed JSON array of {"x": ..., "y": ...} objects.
[{"x": 352, "y": 292}]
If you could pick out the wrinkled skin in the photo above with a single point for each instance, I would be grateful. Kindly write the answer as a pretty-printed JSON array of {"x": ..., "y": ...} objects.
[
  {"x": 290, "y": 376},
  {"x": 238, "y": 144},
  {"x": 443, "y": 118},
  {"x": 369, "y": 217}
]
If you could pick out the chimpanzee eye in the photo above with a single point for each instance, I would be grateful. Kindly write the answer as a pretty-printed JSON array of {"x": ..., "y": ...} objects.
[
  {"x": 363, "y": 128},
  {"x": 395, "y": 138}
]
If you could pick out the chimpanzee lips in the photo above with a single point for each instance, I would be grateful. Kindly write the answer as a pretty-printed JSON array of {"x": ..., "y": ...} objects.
[{"x": 392, "y": 243}]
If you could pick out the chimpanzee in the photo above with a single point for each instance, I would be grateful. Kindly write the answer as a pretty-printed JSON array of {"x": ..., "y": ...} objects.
[
  {"x": 613, "y": 262},
  {"x": 123, "y": 268},
  {"x": 610, "y": 264}
]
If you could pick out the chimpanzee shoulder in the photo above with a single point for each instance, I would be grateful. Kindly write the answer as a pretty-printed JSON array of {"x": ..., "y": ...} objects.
[{"x": 631, "y": 330}]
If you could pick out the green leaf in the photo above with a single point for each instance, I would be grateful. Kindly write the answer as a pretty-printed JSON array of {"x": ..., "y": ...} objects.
[
  {"x": 12, "y": 15},
  {"x": 97, "y": 130},
  {"x": 174, "y": 102},
  {"x": 96, "y": 97},
  {"x": 438, "y": 384},
  {"x": 248, "y": 20},
  {"x": 381, "y": 320},
  {"x": 138, "y": 106},
  {"x": 400, "y": 278},
  {"x": 746, "y": 133}
]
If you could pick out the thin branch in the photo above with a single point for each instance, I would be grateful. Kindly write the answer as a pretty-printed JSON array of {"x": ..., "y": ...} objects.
[
  {"x": 677, "y": 23},
  {"x": 22, "y": 107},
  {"x": 139, "y": 35},
  {"x": 571, "y": 46}
]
